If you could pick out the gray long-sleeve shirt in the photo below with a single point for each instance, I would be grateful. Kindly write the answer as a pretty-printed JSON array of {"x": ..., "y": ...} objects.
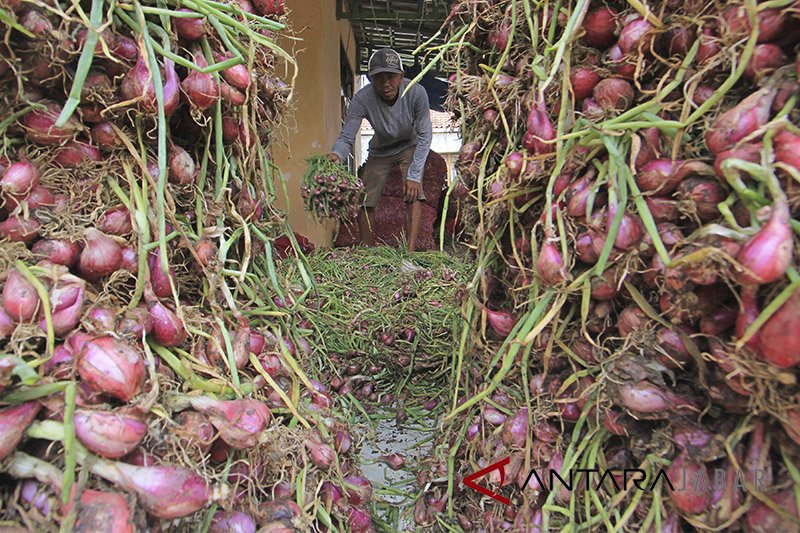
[{"x": 397, "y": 127}]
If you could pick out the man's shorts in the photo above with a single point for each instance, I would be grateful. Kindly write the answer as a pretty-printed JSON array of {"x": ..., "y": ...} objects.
[{"x": 376, "y": 171}]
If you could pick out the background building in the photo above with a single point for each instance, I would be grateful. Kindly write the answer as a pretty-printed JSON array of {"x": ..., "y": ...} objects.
[{"x": 335, "y": 39}]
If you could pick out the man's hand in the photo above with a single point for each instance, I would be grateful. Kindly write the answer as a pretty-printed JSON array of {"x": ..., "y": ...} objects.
[
  {"x": 413, "y": 188},
  {"x": 333, "y": 157}
]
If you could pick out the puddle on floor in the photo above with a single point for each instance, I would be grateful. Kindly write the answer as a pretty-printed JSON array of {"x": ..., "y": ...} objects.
[{"x": 413, "y": 440}]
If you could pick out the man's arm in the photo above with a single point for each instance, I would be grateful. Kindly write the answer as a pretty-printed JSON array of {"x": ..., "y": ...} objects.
[
  {"x": 422, "y": 122},
  {"x": 344, "y": 144}
]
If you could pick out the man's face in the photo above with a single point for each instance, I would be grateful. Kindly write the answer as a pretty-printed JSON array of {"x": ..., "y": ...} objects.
[{"x": 388, "y": 85}]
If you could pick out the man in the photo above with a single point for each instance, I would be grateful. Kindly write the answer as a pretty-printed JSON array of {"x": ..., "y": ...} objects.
[{"x": 403, "y": 135}]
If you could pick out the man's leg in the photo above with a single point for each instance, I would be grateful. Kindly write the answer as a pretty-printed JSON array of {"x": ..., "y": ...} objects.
[
  {"x": 413, "y": 213},
  {"x": 376, "y": 169},
  {"x": 413, "y": 209},
  {"x": 366, "y": 220}
]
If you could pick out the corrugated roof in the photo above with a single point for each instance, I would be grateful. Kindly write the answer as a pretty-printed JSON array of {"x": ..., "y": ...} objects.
[{"x": 399, "y": 24}]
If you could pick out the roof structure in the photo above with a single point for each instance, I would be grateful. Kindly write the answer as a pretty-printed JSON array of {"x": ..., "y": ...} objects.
[{"x": 399, "y": 24}]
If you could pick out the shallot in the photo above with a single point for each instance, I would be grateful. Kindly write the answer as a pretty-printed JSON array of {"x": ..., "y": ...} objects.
[
  {"x": 13, "y": 423},
  {"x": 166, "y": 492},
  {"x": 111, "y": 366},
  {"x": 109, "y": 434},
  {"x": 239, "y": 422}
]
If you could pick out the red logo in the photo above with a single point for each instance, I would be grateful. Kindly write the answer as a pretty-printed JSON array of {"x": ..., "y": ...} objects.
[{"x": 469, "y": 481}]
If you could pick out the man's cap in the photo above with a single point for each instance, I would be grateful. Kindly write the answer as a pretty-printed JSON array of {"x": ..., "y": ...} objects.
[{"x": 385, "y": 60}]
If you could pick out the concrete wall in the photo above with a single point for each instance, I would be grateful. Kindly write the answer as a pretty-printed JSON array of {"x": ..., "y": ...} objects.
[{"x": 316, "y": 121}]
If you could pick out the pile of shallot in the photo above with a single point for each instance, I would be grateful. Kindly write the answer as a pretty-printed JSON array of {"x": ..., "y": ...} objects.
[
  {"x": 329, "y": 190},
  {"x": 147, "y": 380},
  {"x": 633, "y": 173}
]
